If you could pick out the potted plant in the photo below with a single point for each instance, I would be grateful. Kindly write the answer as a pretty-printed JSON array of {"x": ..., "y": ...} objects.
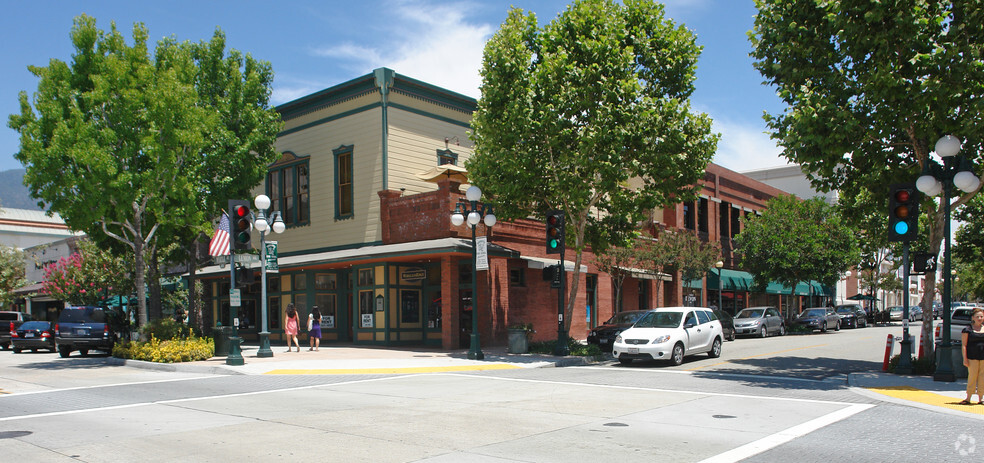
[{"x": 520, "y": 335}]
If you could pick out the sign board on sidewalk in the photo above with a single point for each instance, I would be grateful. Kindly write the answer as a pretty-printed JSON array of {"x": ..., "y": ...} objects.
[{"x": 481, "y": 253}]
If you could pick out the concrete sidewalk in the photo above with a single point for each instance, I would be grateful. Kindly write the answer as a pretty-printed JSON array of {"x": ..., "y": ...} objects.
[
  {"x": 349, "y": 359},
  {"x": 917, "y": 391}
]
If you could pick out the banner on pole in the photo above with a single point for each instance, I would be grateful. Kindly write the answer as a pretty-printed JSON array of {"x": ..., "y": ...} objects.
[
  {"x": 481, "y": 253},
  {"x": 270, "y": 255}
]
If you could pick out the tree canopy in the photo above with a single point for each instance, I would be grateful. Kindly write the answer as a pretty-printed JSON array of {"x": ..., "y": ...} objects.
[
  {"x": 11, "y": 273},
  {"x": 133, "y": 146},
  {"x": 590, "y": 114},
  {"x": 870, "y": 87},
  {"x": 796, "y": 241}
]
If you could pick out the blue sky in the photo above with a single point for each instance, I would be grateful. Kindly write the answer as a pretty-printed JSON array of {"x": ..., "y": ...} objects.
[{"x": 313, "y": 45}]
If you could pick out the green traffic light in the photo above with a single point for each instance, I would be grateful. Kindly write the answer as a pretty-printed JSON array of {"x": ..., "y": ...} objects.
[
  {"x": 553, "y": 244},
  {"x": 901, "y": 228}
]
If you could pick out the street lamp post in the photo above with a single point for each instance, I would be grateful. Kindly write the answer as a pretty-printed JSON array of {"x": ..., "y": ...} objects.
[
  {"x": 720, "y": 264},
  {"x": 262, "y": 224},
  {"x": 955, "y": 171},
  {"x": 475, "y": 213}
]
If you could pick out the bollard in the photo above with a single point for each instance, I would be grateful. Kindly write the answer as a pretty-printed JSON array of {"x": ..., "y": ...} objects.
[{"x": 889, "y": 347}]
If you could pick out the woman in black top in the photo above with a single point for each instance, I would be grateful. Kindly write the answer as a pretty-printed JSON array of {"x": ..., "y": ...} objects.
[{"x": 972, "y": 341}]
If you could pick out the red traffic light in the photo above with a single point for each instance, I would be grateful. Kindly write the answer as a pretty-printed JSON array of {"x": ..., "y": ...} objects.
[{"x": 902, "y": 196}]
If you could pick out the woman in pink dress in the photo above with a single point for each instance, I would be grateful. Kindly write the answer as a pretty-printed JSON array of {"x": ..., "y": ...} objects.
[{"x": 291, "y": 326}]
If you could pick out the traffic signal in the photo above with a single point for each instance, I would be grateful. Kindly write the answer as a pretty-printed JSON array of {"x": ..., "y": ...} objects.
[
  {"x": 555, "y": 232},
  {"x": 903, "y": 212},
  {"x": 240, "y": 224}
]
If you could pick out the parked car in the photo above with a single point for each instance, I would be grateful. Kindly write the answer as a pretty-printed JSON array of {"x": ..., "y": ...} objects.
[
  {"x": 670, "y": 333},
  {"x": 760, "y": 321},
  {"x": 896, "y": 313},
  {"x": 83, "y": 329},
  {"x": 9, "y": 322},
  {"x": 818, "y": 318},
  {"x": 727, "y": 324},
  {"x": 33, "y": 335},
  {"x": 937, "y": 310},
  {"x": 959, "y": 319},
  {"x": 604, "y": 335},
  {"x": 852, "y": 316}
]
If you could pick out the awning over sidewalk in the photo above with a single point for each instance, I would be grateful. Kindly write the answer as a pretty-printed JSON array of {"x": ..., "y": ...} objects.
[
  {"x": 733, "y": 280},
  {"x": 643, "y": 274},
  {"x": 543, "y": 262}
]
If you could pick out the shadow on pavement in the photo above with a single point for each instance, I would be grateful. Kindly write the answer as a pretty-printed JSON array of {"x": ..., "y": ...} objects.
[{"x": 75, "y": 362}]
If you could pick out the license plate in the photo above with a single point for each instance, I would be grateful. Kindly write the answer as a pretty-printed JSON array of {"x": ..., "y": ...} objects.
[
  {"x": 82, "y": 332},
  {"x": 28, "y": 335},
  {"x": 633, "y": 350}
]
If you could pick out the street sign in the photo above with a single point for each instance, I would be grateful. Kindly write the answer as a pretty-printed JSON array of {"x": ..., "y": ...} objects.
[
  {"x": 235, "y": 299},
  {"x": 240, "y": 259}
]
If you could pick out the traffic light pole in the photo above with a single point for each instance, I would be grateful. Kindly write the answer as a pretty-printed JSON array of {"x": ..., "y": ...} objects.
[
  {"x": 905, "y": 357},
  {"x": 561, "y": 348},
  {"x": 235, "y": 356}
]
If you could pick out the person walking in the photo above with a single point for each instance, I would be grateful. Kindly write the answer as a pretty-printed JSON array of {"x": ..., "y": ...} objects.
[
  {"x": 314, "y": 328},
  {"x": 291, "y": 326},
  {"x": 972, "y": 345}
]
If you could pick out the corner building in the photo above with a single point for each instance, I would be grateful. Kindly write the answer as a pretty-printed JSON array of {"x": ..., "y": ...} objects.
[{"x": 367, "y": 205}]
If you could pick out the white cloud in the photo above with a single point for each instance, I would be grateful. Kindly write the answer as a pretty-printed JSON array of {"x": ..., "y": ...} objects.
[
  {"x": 432, "y": 42},
  {"x": 745, "y": 146}
]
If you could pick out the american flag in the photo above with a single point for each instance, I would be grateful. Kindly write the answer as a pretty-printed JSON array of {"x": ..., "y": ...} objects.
[{"x": 219, "y": 246}]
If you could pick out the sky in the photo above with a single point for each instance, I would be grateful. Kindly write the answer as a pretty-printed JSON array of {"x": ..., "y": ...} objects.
[{"x": 316, "y": 44}]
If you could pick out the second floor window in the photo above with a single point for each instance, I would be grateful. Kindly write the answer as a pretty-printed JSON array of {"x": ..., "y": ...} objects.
[
  {"x": 288, "y": 185},
  {"x": 344, "y": 195}
]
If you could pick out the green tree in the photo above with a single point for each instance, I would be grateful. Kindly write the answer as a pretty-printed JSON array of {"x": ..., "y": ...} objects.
[
  {"x": 126, "y": 145},
  {"x": 968, "y": 251},
  {"x": 870, "y": 87},
  {"x": 695, "y": 257},
  {"x": 589, "y": 114},
  {"x": 617, "y": 262},
  {"x": 88, "y": 275},
  {"x": 796, "y": 241},
  {"x": 11, "y": 273}
]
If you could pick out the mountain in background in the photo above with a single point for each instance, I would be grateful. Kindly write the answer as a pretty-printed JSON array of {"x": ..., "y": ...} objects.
[{"x": 13, "y": 193}]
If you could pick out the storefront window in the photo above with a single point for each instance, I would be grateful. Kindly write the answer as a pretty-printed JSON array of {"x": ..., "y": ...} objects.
[
  {"x": 325, "y": 282},
  {"x": 326, "y": 304},
  {"x": 366, "y": 277},
  {"x": 300, "y": 282},
  {"x": 365, "y": 309}
]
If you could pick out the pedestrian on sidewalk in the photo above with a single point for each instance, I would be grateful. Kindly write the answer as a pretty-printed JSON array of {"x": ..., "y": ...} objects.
[
  {"x": 291, "y": 326},
  {"x": 972, "y": 345},
  {"x": 314, "y": 328}
]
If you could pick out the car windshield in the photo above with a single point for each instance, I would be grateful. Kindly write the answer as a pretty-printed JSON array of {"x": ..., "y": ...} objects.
[
  {"x": 814, "y": 313},
  {"x": 8, "y": 316},
  {"x": 896, "y": 309},
  {"x": 83, "y": 315},
  {"x": 846, "y": 310},
  {"x": 36, "y": 326},
  {"x": 749, "y": 313},
  {"x": 625, "y": 317},
  {"x": 660, "y": 320}
]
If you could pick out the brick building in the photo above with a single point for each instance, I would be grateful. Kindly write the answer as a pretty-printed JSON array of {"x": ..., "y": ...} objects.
[{"x": 369, "y": 239}]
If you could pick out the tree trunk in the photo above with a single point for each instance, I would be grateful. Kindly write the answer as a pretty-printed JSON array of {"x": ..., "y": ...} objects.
[
  {"x": 194, "y": 317},
  {"x": 138, "y": 262},
  {"x": 154, "y": 285}
]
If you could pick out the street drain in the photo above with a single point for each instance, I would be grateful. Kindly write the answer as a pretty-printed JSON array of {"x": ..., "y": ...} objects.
[
  {"x": 725, "y": 416},
  {"x": 614, "y": 424},
  {"x": 14, "y": 434}
]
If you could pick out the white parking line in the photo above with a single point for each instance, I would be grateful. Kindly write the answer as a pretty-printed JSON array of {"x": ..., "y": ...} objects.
[{"x": 95, "y": 386}]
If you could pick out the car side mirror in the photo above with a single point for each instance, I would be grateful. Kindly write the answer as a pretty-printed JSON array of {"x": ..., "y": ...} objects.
[{"x": 689, "y": 325}]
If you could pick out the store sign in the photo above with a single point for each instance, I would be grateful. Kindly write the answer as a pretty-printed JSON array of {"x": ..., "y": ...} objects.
[{"x": 413, "y": 274}]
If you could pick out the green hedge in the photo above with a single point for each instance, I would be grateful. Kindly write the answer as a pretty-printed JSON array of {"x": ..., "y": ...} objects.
[
  {"x": 170, "y": 351},
  {"x": 922, "y": 366},
  {"x": 573, "y": 345}
]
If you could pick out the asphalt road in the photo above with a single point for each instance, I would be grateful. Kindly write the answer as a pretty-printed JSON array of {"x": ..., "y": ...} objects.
[{"x": 770, "y": 400}]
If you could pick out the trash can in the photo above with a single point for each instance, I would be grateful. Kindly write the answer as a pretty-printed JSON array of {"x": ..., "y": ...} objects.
[
  {"x": 518, "y": 342},
  {"x": 959, "y": 369},
  {"x": 221, "y": 336}
]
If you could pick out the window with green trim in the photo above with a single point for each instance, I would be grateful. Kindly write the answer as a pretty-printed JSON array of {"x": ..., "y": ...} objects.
[
  {"x": 288, "y": 185},
  {"x": 344, "y": 194},
  {"x": 447, "y": 157}
]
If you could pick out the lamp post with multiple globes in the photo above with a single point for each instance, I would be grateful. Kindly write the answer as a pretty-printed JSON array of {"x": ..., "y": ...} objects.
[
  {"x": 263, "y": 225},
  {"x": 474, "y": 212}
]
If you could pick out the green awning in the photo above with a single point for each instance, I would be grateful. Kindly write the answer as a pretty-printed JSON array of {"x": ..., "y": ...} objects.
[
  {"x": 802, "y": 289},
  {"x": 733, "y": 280}
]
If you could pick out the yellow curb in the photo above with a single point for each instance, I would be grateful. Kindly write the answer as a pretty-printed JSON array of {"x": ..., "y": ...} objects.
[
  {"x": 929, "y": 398},
  {"x": 390, "y": 371}
]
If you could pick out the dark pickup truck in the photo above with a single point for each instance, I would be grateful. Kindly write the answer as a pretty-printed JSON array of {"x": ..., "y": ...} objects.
[
  {"x": 84, "y": 328},
  {"x": 10, "y": 321}
]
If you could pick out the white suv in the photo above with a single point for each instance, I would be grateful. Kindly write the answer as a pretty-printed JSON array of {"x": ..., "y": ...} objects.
[{"x": 670, "y": 333}]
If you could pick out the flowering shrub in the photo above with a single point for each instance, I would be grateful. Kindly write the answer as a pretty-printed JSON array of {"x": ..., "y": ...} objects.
[
  {"x": 170, "y": 351},
  {"x": 86, "y": 276}
]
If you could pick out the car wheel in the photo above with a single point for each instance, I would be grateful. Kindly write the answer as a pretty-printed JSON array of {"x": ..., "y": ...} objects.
[
  {"x": 837, "y": 326},
  {"x": 715, "y": 351},
  {"x": 731, "y": 337},
  {"x": 84, "y": 352},
  {"x": 17, "y": 351},
  {"x": 764, "y": 332},
  {"x": 5, "y": 346},
  {"x": 624, "y": 361},
  {"x": 64, "y": 351},
  {"x": 677, "y": 357},
  {"x": 53, "y": 349},
  {"x": 823, "y": 327},
  {"x": 782, "y": 330},
  {"x": 34, "y": 351}
]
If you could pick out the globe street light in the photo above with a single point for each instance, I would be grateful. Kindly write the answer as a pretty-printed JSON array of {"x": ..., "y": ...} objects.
[
  {"x": 475, "y": 213},
  {"x": 955, "y": 171},
  {"x": 262, "y": 224},
  {"x": 719, "y": 264}
]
